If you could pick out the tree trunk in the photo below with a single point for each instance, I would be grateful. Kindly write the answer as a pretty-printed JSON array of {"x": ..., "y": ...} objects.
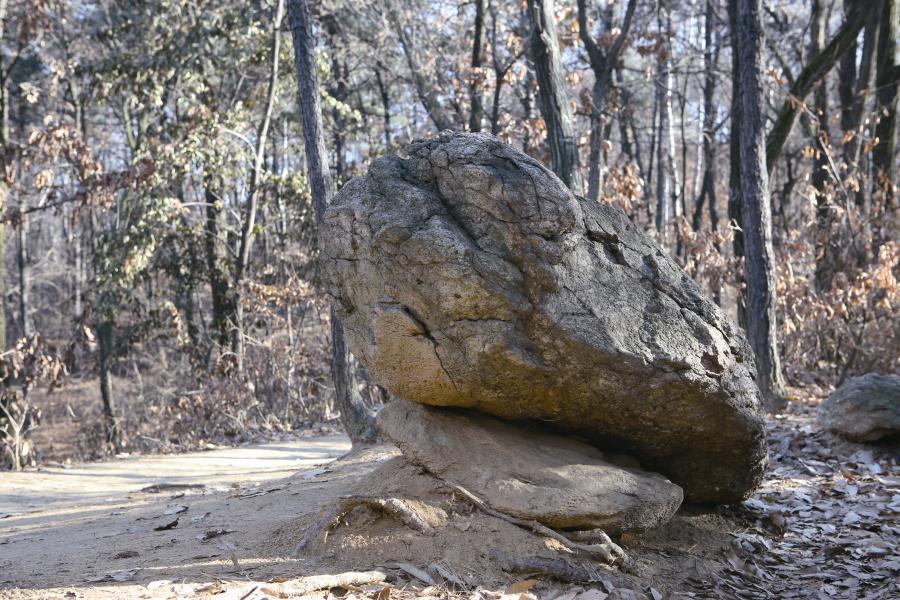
[
  {"x": 552, "y": 89},
  {"x": 887, "y": 78},
  {"x": 710, "y": 66},
  {"x": 759, "y": 262},
  {"x": 217, "y": 272},
  {"x": 25, "y": 324},
  {"x": 603, "y": 62},
  {"x": 105, "y": 355},
  {"x": 385, "y": 107},
  {"x": 825, "y": 250},
  {"x": 853, "y": 87},
  {"x": 249, "y": 220},
  {"x": 357, "y": 419},
  {"x": 477, "y": 112},
  {"x": 663, "y": 203},
  {"x": 4, "y": 140}
]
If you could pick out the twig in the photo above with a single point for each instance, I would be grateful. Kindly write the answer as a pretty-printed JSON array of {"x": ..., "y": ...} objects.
[{"x": 305, "y": 585}]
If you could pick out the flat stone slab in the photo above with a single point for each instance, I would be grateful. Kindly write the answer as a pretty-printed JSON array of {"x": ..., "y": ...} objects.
[
  {"x": 528, "y": 473},
  {"x": 468, "y": 275}
]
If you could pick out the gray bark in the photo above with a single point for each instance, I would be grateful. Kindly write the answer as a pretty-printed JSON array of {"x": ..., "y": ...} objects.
[
  {"x": 710, "y": 65},
  {"x": 477, "y": 110},
  {"x": 887, "y": 78},
  {"x": 825, "y": 250},
  {"x": 26, "y": 327},
  {"x": 356, "y": 417},
  {"x": 552, "y": 89},
  {"x": 759, "y": 260},
  {"x": 105, "y": 356}
]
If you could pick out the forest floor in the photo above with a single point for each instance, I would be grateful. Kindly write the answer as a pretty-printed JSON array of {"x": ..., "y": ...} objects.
[{"x": 823, "y": 525}]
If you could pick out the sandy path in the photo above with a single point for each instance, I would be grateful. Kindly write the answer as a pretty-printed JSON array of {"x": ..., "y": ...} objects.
[
  {"x": 91, "y": 531},
  {"x": 92, "y": 483}
]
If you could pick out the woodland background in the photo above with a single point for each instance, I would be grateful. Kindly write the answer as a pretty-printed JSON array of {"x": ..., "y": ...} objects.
[{"x": 158, "y": 233}]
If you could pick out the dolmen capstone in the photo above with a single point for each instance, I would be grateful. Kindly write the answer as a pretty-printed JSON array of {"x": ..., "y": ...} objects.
[{"x": 467, "y": 275}]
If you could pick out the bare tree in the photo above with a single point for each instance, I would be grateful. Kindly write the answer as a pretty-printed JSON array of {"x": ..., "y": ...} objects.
[
  {"x": 707, "y": 193},
  {"x": 552, "y": 88},
  {"x": 252, "y": 205},
  {"x": 825, "y": 251},
  {"x": 887, "y": 79},
  {"x": 603, "y": 63},
  {"x": 358, "y": 420},
  {"x": 816, "y": 68},
  {"x": 759, "y": 260},
  {"x": 477, "y": 108},
  {"x": 428, "y": 94}
]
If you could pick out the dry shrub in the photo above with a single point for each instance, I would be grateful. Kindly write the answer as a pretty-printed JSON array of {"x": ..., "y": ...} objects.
[
  {"x": 29, "y": 362},
  {"x": 179, "y": 404},
  {"x": 849, "y": 329}
]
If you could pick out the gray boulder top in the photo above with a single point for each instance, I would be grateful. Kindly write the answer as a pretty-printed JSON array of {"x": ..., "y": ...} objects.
[
  {"x": 864, "y": 409},
  {"x": 466, "y": 274}
]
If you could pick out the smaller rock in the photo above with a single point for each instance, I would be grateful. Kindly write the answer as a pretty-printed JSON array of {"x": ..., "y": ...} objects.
[
  {"x": 528, "y": 473},
  {"x": 865, "y": 409}
]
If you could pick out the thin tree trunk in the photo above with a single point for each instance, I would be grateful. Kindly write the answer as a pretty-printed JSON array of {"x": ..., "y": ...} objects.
[
  {"x": 358, "y": 420},
  {"x": 759, "y": 262},
  {"x": 825, "y": 250},
  {"x": 552, "y": 89},
  {"x": 887, "y": 79},
  {"x": 105, "y": 355},
  {"x": 477, "y": 112},
  {"x": 710, "y": 65},
  {"x": 4, "y": 140},
  {"x": 603, "y": 62},
  {"x": 384, "y": 94},
  {"x": 663, "y": 203},
  {"x": 249, "y": 220},
  {"x": 22, "y": 262},
  {"x": 217, "y": 272},
  {"x": 853, "y": 87}
]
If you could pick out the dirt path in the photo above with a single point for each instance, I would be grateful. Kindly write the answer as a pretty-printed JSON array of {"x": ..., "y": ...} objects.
[
  {"x": 98, "y": 482},
  {"x": 822, "y": 525},
  {"x": 79, "y": 530}
]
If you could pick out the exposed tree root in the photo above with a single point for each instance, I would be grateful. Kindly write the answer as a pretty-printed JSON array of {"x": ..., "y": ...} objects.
[
  {"x": 393, "y": 507},
  {"x": 594, "y": 543},
  {"x": 602, "y": 547}
]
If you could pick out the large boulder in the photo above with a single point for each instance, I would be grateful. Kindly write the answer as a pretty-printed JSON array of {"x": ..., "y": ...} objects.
[
  {"x": 466, "y": 274},
  {"x": 864, "y": 409},
  {"x": 530, "y": 473}
]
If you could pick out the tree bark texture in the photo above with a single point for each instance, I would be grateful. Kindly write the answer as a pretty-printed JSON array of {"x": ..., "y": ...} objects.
[
  {"x": 759, "y": 260},
  {"x": 357, "y": 419},
  {"x": 552, "y": 89}
]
